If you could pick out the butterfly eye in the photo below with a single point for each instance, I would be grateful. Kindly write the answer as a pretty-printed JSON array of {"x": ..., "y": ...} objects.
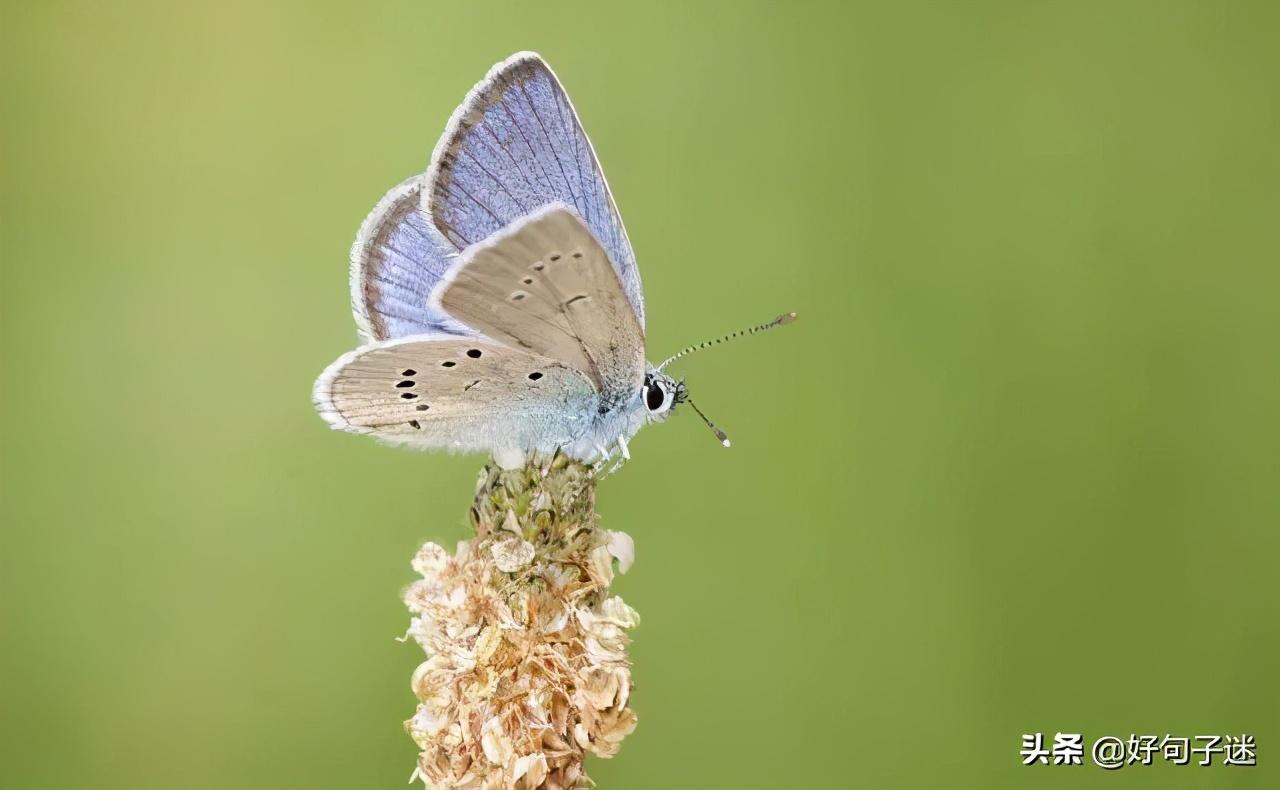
[{"x": 656, "y": 397}]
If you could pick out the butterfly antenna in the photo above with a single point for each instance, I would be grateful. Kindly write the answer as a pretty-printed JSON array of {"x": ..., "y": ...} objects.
[
  {"x": 785, "y": 318},
  {"x": 719, "y": 433}
]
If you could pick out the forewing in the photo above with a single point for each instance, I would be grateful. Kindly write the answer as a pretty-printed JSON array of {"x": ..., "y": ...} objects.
[
  {"x": 439, "y": 391},
  {"x": 514, "y": 145},
  {"x": 544, "y": 284},
  {"x": 398, "y": 258}
]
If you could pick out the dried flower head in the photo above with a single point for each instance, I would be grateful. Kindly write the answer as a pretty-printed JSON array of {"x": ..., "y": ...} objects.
[{"x": 526, "y": 667}]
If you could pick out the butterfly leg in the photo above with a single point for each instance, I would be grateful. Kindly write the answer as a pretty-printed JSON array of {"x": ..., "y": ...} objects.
[
  {"x": 623, "y": 448},
  {"x": 601, "y": 461},
  {"x": 551, "y": 459}
]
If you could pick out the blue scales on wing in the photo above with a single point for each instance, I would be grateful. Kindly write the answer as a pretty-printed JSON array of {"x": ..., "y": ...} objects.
[
  {"x": 398, "y": 258},
  {"x": 514, "y": 146}
]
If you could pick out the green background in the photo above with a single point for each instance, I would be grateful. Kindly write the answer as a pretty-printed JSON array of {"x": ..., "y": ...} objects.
[{"x": 1015, "y": 470}]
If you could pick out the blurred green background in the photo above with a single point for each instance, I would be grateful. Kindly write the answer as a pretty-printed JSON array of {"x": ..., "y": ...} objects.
[{"x": 1013, "y": 471}]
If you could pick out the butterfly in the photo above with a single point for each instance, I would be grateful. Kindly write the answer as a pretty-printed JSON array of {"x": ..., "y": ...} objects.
[{"x": 497, "y": 295}]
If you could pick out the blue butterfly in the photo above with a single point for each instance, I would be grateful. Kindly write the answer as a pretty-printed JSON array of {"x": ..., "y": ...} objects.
[{"x": 497, "y": 295}]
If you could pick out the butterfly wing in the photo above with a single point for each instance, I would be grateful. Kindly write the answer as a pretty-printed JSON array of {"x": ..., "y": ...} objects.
[
  {"x": 467, "y": 394},
  {"x": 515, "y": 145},
  {"x": 398, "y": 258},
  {"x": 544, "y": 284}
]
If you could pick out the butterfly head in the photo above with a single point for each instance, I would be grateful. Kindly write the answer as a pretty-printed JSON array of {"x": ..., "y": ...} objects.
[{"x": 661, "y": 394}]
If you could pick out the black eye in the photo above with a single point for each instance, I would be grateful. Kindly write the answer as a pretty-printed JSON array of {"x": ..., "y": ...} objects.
[{"x": 654, "y": 397}]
